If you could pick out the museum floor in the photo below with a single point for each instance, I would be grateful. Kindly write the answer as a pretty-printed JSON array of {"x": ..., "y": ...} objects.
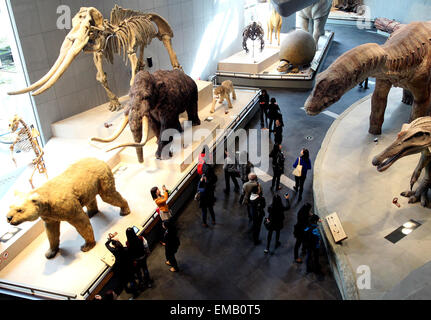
[{"x": 221, "y": 262}]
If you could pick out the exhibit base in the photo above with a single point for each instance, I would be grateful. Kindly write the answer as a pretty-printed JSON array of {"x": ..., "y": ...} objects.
[
  {"x": 73, "y": 274},
  {"x": 367, "y": 265},
  {"x": 242, "y": 70}
]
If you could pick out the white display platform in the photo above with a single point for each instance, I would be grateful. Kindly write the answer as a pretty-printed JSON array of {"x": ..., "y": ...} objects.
[
  {"x": 240, "y": 69},
  {"x": 71, "y": 272},
  {"x": 346, "y": 182},
  {"x": 364, "y": 21}
]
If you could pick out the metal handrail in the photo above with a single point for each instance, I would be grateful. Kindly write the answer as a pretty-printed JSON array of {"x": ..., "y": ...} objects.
[
  {"x": 178, "y": 187},
  {"x": 34, "y": 290}
]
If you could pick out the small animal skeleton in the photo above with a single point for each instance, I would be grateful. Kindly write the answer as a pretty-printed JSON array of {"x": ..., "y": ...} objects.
[
  {"x": 26, "y": 141},
  {"x": 253, "y": 32},
  {"x": 125, "y": 33}
]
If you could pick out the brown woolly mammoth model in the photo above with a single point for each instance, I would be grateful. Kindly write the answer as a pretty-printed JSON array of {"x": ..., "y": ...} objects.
[
  {"x": 403, "y": 61},
  {"x": 222, "y": 93},
  {"x": 125, "y": 33},
  {"x": 62, "y": 199},
  {"x": 156, "y": 101}
]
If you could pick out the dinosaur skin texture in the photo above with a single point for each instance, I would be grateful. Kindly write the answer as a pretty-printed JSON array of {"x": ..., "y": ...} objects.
[
  {"x": 412, "y": 139},
  {"x": 403, "y": 61}
]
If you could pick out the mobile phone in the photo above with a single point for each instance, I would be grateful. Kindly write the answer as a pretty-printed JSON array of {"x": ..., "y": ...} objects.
[{"x": 136, "y": 229}]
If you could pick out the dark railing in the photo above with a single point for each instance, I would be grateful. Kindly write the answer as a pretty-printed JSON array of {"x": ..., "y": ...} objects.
[{"x": 36, "y": 292}]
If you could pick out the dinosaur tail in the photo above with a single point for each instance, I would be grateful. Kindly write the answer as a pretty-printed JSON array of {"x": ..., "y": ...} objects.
[{"x": 344, "y": 74}]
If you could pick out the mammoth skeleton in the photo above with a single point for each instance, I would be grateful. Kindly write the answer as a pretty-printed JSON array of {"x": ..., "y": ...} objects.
[{"x": 125, "y": 33}]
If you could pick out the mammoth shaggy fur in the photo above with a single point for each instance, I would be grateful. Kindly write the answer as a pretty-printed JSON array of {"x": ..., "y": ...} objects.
[
  {"x": 63, "y": 199},
  {"x": 161, "y": 97}
]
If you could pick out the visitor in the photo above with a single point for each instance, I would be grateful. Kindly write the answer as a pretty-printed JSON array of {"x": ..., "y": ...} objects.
[
  {"x": 206, "y": 200},
  {"x": 206, "y": 167},
  {"x": 247, "y": 188},
  {"x": 277, "y": 166},
  {"x": 312, "y": 239},
  {"x": 278, "y": 131},
  {"x": 172, "y": 244},
  {"x": 138, "y": 250},
  {"x": 275, "y": 219},
  {"x": 273, "y": 113},
  {"x": 304, "y": 161},
  {"x": 258, "y": 204},
  {"x": 123, "y": 268},
  {"x": 230, "y": 172},
  {"x": 245, "y": 166},
  {"x": 109, "y": 295},
  {"x": 264, "y": 103},
  {"x": 303, "y": 217},
  {"x": 161, "y": 201},
  {"x": 362, "y": 83}
]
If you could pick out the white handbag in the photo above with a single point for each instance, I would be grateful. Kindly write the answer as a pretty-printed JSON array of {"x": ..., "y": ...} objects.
[{"x": 298, "y": 170}]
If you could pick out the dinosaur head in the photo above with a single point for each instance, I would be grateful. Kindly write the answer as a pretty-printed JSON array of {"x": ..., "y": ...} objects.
[
  {"x": 86, "y": 34},
  {"x": 329, "y": 89},
  {"x": 413, "y": 138}
]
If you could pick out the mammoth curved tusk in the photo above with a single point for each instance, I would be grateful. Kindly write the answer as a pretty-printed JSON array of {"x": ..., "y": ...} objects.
[
  {"x": 76, "y": 48},
  {"x": 67, "y": 44},
  {"x": 116, "y": 134},
  {"x": 145, "y": 130}
]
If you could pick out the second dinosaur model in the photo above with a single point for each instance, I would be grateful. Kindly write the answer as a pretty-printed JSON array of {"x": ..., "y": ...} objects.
[
  {"x": 413, "y": 138},
  {"x": 403, "y": 61}
]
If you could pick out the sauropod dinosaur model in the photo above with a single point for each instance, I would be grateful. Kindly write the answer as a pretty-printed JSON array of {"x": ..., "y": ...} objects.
[
  {"x": 27, "y": 140},
  {"x": 403, "y": 61},
  {"x": 222, "y": 93},
  {"x": 275, "y": 23},
  {"x": 412, "y": 139},
  {"x": 317, "y": 14},
  {"x": 125, "y": 33}
]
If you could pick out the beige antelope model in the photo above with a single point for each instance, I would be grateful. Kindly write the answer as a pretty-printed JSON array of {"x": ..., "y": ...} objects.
[{"x": 274, "y": 25}]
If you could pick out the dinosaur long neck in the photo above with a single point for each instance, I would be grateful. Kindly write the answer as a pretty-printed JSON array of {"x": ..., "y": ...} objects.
[{"x": 356, "y": 65}]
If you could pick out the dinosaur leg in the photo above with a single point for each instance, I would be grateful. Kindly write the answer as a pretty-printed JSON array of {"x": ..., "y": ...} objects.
[
  {"x": 421, "y": 102},
  {"x": 172, "y": 55},
  {"x": 101, "y": 77},
  {"x": 319, "y": 28},
  {"x": 52, "y": 230},
  {"x": 378, "y": 106}
]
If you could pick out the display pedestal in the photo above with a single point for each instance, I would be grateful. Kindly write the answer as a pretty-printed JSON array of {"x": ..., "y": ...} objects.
[
  {"x": 76, "y": 272},
  {"x": 242, "y": 70},
  {"x": 346, "y": 182}
]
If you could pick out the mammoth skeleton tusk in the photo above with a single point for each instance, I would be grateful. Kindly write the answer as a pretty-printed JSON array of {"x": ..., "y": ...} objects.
[
  {"x": 116, "y": 134},
  {"x": 78, "y": 45},
  {"x": 145, "y": 130},
  {"x": 67, "y": 44}
]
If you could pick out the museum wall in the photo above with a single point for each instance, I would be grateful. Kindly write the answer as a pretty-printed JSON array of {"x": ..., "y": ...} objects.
[
  {"x": 205, "y": 31},
  {"x": 401, "y": 10}
]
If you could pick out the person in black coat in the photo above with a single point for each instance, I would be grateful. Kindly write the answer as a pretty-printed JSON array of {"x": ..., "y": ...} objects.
[
  {"x": 263, "y": 103},
  {"x": 123, "y": 268},
  {"x": 138, "y": 251},
  {"x": 304, "y": 215},
  {"x": 258, "y": 204},
  {"x": 278, "y": 132},
  {"x": 273, "y": 113},
  {"x": 275, "y": 219},
  {"x": 206, "y": 201},
  {"x": 277, "y": 166},
  {"x": 172, "y": 244}
]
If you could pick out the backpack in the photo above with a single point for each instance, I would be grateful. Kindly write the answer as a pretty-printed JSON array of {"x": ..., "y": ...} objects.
[{"x": 280, "y": 161}]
